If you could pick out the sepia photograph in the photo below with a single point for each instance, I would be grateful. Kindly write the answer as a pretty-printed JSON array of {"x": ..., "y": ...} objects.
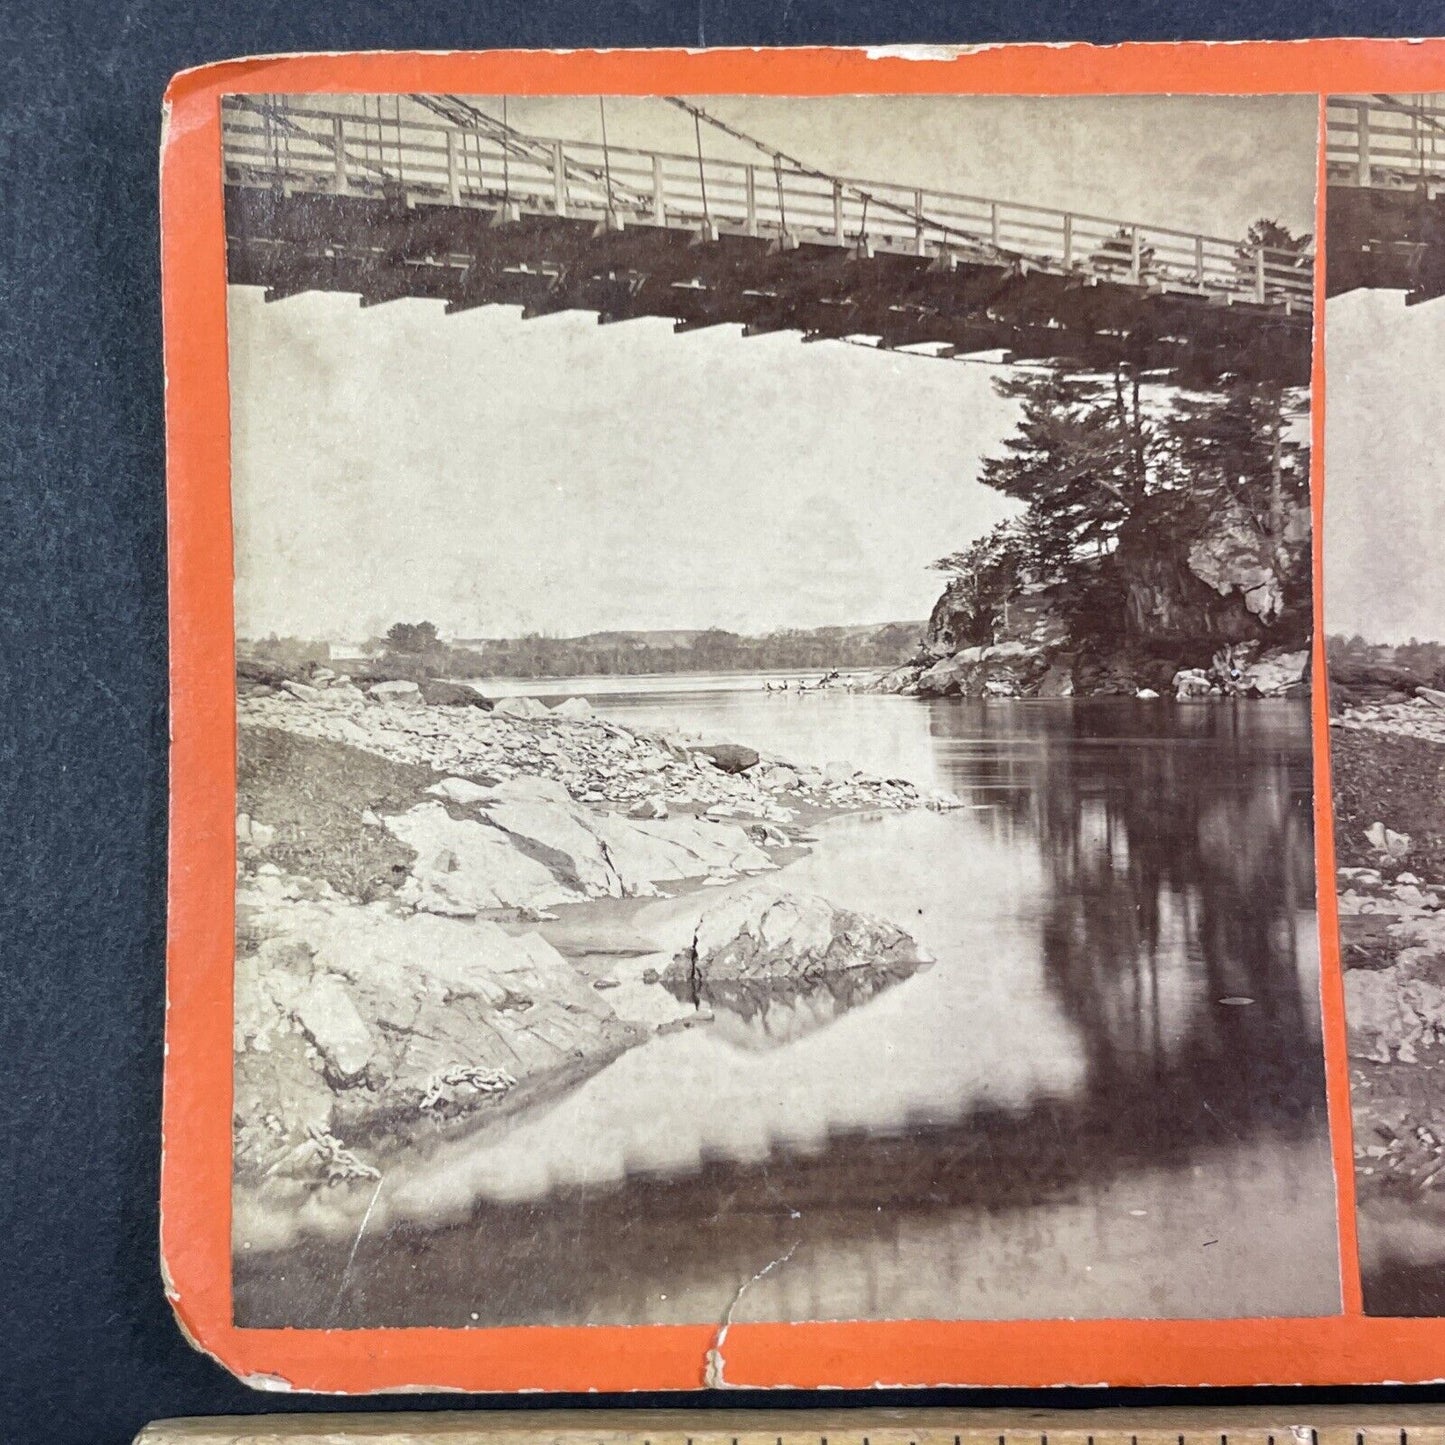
[
  {"x": 1385, "y": 620},
  {"x": 774, "y": 762}
]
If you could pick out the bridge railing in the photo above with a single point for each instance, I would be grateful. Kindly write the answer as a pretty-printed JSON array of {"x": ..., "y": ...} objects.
[
  {"x": 1391, "y": 142},
  {"x": 302, "y": 145}
]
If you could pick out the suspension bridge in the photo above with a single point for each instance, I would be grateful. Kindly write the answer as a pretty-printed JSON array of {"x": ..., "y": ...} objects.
[
  {"x": 443, "y": 197},
  {"x": 1385, "y": 169}
]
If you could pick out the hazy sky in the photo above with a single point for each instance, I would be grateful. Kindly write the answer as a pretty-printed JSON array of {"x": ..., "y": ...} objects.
[
  {"x": 1384, "y": 467},
  {"x": 497, "y": 476}
]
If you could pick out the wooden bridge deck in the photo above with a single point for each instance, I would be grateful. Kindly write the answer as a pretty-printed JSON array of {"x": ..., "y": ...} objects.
[
  {"x": 435, "y": 199},
  {"x": 1385, "y": 167}
]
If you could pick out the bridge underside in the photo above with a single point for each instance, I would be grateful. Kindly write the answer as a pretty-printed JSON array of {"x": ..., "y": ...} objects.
[
  {"x": 382, "y": 250},
  {"x": 1386, "y": 239}
]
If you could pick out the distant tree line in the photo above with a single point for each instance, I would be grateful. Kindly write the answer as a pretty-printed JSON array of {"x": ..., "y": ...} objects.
[
  {"x": 1423, "y": 662},
  {"x": 416, "y": 649}
]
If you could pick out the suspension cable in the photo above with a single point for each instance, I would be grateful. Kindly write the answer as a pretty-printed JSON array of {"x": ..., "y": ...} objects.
[
  {"x": 506, "y": 159},
  {"x": 272, "y": 115},
  {"x": 458, "y": 112},
  {"x": 606, "y": 155},
  {"x": 699, "y": 114},
  {"x": 701, "y": 178}
]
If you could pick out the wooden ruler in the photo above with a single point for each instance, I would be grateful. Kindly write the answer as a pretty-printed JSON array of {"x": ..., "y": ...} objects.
[{"x": 1261, "y": 1425}]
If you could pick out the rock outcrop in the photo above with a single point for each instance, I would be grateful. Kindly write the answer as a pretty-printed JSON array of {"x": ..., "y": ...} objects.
[
  {"x": 1130, "y": 620},
  {"x": 526, "y": 844},
  {"x": 349, "y": 1019},
  {"x": 763, "y": 933}
]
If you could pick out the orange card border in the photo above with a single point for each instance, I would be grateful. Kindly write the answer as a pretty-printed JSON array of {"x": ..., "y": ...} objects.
[{"x": 196, "y": 1171}]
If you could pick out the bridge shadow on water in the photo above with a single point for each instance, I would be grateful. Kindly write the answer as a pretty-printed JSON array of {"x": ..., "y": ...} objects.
[{"x": 1183, "y": 1171}]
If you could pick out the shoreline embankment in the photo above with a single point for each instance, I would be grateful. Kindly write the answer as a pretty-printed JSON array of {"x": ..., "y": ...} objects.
[{"x": 448, "y": 912}]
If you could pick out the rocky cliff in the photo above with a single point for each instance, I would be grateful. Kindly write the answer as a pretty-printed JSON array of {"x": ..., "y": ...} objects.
[{"x": 1222, "y": 612}]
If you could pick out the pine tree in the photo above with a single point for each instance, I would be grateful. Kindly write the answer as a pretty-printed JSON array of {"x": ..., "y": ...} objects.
[{"x": 1080, "y": 461}]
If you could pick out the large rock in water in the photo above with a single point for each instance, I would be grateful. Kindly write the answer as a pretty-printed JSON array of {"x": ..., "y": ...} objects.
[
  {"x": 1276, "y": 673},
  {"x": 764, "y": 933},
  {"x": 1008, "y": 669}
]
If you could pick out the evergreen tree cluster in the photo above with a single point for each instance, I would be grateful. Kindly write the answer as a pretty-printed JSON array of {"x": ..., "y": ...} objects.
[{"x": 1114, "y": 471}]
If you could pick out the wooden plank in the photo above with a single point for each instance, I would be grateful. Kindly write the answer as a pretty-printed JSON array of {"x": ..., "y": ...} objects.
[{"x": 1260, "y": 1425}]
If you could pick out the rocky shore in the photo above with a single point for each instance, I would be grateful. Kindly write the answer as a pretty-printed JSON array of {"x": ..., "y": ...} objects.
[
  {"x": 1388, "y": 760},
  {"x": 1016, "y": 668},
  {"x": 447, "y": 912}
]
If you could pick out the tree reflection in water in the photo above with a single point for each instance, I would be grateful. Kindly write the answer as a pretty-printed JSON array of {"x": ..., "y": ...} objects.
[{"x": 1180, "y": 851}]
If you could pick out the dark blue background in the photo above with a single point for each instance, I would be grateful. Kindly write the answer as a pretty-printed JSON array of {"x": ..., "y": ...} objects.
[{"x": 88, "y": 1349}]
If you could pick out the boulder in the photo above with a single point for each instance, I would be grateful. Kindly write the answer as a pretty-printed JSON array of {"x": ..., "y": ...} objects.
[
  {"x": 1387, "y": 842},
  {"x": 945, "y": 677},
  {"x": 520, "y": 707},
  {"x": 1147, "y": 693},
  {"x": 671, "y": 849},
  {"x": 303, "y": 692},
  {"x": 436, "y": 692},
  {"x": 1058, "y": 681},
  {"x": 764, "y": 933},
  {"x": 399, "y": 691},
  {"x": 777, "y": 778},
  {"x": 838, "y": 771},
  {"x": 648, "y": 808},
  {"x": 1275, "y": 674},
  {"x": 562, "y": 836},
  {"x": 730, "y": 757},
  {"x": 1192, "y": 682},
  {"x": 574, "y": 709},
  {"x": 527, "y": 844},
  {"x": 898, "y": 680},
  {"x": 533, "y": 790},
  {"x": 1432, "y": 695}
]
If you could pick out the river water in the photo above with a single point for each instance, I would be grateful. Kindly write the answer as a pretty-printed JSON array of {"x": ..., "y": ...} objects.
[{"x": 1104, "y": 1099}]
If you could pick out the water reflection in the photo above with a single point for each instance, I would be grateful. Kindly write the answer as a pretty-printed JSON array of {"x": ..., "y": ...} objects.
[
  {"x": 1180, "y": 853},
  {"x": 1106, "y": 1098},
  {"x": 765, "y": 1013}
]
